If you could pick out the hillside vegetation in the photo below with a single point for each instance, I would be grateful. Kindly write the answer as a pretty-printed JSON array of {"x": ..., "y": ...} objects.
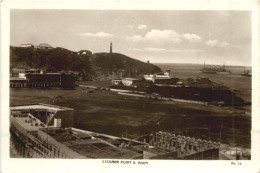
[{"x": 90, "y": 67}]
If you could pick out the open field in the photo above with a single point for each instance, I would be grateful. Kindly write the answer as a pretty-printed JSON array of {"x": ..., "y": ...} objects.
[{"x": 107, "y": 112}]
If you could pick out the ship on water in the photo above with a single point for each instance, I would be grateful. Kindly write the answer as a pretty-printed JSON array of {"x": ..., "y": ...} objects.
[
  {"x": 247, "y": 73},
  {"x": 215, "y": 69}
]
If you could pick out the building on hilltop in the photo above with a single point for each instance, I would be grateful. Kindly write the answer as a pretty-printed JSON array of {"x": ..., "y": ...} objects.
[
  {"x": 26, "y": 45},
  {"x": 44, "y": 46},
  {"x": 84, "y": 52}
]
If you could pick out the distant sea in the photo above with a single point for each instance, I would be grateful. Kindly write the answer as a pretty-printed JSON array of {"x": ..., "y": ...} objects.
[{"x": 234, "y": 80}]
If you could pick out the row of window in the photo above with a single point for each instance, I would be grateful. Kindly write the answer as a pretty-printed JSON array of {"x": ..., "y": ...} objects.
[{"x": 22, "y": 85}]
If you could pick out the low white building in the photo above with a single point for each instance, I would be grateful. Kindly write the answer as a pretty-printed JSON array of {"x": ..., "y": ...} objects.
[
  {"x": 49, "y": 115},
  {"x": 149, "y": 77},
  {"x": 161, "y": 75},
  {"x": 128, "y": 81},
  {"x": 165, "y": 75}
]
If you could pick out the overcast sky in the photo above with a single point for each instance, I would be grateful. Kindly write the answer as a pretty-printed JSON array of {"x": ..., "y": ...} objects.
[{"x": 215, "y": 37}]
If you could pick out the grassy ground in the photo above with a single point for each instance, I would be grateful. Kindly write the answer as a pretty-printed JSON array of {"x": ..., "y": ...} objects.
[{"x": 107, "y": 112}]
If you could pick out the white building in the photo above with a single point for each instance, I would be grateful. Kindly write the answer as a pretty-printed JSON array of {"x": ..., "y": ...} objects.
[
  {"x": 161, "y": 75},
  {"x": 44, "y": 46},
  {"x": 149, "y": 77},
  {"x": 165, "y": 75},
  {"x": 22, "y": 75},
  {"x": 116, "y": 81},
  {"x": 48, "y": 115},
  {"x": 128, "y": 81},
  {"x": 84, "y": 52},
  {"x": 26, "y": 45}
]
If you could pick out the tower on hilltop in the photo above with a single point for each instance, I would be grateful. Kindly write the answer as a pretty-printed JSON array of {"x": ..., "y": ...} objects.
[{"x": 111, "y": 47}]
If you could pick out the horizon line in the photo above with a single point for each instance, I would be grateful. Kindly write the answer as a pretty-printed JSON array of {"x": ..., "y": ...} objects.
[{"x": 198, "y": 64}]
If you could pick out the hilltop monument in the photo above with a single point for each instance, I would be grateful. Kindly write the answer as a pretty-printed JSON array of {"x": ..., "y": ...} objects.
[{"x": 111, "y": 47}]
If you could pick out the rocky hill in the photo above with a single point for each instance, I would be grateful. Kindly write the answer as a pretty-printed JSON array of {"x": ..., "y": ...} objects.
[{"x": 98, "y": 66}]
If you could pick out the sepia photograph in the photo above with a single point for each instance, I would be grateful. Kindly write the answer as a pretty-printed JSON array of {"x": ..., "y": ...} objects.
[
  {"x": 131, "y": 87},
  {"x": 130, "y": 84}
]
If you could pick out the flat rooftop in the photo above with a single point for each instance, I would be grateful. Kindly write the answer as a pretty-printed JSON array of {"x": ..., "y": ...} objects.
[
  {"x": 17, "y": 78},
  {"x": 128, "y": 78},
  {"x": 28, "y": 123},
  {"x": 90, "y": 146},
  {"x": 159, "y": 151},
  {"x": 44, "y": 73},
  {"x": 39, "y": 106}
]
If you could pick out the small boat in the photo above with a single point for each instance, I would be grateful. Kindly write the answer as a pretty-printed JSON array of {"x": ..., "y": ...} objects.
[{"x": 246, "y": 73}]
